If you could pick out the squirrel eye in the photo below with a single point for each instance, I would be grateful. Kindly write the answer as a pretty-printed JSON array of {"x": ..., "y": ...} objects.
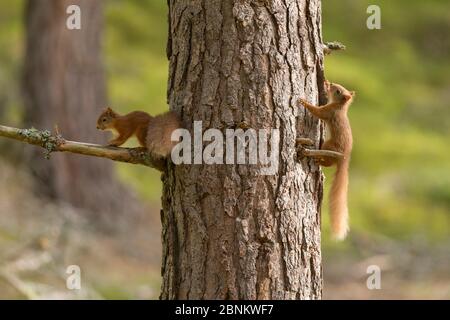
[
  {"x": 104, "y": 120},
  {"x": 338, "y": 92}
]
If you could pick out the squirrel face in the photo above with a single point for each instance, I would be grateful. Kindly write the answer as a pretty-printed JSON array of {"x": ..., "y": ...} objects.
[
  {"x": 106, "y": 119},
  {"x": 337, "y": 93}
]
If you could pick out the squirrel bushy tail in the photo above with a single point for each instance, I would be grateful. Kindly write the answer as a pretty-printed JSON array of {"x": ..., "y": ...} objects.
[{"x": 338, "y": 201}]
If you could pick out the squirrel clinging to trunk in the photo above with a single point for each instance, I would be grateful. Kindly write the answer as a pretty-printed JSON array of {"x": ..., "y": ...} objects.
[{"x": 340, "y": 140}]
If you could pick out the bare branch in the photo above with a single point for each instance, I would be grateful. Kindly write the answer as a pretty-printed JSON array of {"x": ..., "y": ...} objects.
[
  {"x": 301, "y": 142},
  {"x": 322, "y": 153},
  {"x": 21, "y": 286},
  {"x": 55, "y": 143}
]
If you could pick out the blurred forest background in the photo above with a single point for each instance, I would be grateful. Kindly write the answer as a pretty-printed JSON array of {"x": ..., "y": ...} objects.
[{"x": 400, "y": 170}]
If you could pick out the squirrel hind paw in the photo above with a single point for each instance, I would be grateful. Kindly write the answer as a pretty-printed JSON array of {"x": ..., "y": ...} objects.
[{"x": 304, "y": 141}]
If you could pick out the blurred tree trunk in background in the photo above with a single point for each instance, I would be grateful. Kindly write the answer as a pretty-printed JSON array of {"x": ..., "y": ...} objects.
[
  {"x": 228, "y": 232},
  {"x": 65, "y": 86}
]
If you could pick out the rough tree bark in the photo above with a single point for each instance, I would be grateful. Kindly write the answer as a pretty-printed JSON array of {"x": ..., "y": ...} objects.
[
  {"x": 229, "y": 233},
  {"x": 64, "y": 85}
]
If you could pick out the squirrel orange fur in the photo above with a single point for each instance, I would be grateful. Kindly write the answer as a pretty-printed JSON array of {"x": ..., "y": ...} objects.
[
  {"x": 335, "y": 116},
  {"x": 153, "y": 133}
]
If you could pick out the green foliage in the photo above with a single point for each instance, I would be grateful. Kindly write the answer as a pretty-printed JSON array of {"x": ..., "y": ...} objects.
[
  {"x": 137, "y": 69},
  {"x": 11, "y": 54},
  {"x": 401, "y": 117},
  {"x": 401, "y": 163}
]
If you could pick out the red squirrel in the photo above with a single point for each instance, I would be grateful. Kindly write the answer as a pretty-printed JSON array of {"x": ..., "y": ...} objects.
[
  {"x": 340, "y": 140},
  {"x": 153, "y": 133}
]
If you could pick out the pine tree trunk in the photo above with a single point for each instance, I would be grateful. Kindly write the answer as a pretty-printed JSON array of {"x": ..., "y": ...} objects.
[
  {"x": 229, "y": 233},
  {"x": 64, "y": 85}
]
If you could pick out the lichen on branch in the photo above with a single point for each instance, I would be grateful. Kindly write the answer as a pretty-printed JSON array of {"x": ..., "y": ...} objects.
[
  {"x": 56, "y": 143},
  {"x": 329, "y": 47}
]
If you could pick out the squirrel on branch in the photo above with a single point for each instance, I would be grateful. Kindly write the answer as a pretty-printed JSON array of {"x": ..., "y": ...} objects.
[
  {"x": 153, "y": 133},
  {"x": 335, "y": 116}
]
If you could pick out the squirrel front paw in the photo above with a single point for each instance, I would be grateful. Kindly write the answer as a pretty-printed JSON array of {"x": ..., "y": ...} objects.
[
  {"x": 302, "y": 102},
  {"x": 113, "y": 144}
]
